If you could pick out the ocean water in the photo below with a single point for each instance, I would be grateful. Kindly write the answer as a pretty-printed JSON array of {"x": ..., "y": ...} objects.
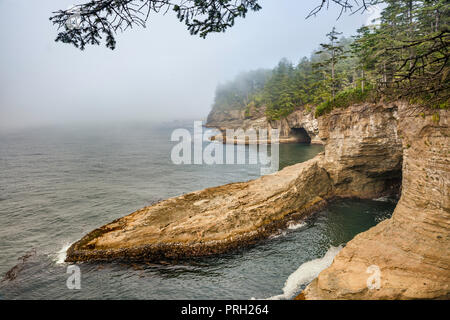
[{"x": 58, "y": 183}]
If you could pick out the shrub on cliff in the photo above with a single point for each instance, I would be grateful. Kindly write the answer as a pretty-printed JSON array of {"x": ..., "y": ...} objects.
[{"x": 345, "y": 99}]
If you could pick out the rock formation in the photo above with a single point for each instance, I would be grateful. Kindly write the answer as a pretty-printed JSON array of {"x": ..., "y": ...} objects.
[
  {"x": 210, "y": 221},
  {"x": 299, "y": 126},
  {"x": 363, "y": 152},
  {"x": 218, "y": 219},
  {"x": 364, "y": 148},
  {"x": 412, "y": 249}
]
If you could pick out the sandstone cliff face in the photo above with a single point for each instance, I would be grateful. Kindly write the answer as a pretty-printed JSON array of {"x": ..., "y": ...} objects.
[
  {"x": 225, "y": 118},
  {"x": 411, "y": 249},
  {"x": 299, "y": 126},
  {"x": 235, "y": 119},
  {"x": 363, "y": 151}
]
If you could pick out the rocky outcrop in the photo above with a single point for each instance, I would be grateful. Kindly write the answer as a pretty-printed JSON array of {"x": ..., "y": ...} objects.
[
  {"x": 235, "y": 119},
  {"x": 219, "y": 219},
  {"x": 210, "y": 221},
  {"x": 412, "y": 249},
  {"x": 300, "y": 126},
  {"x": 363, "y": 151},
  {"x": 369, "y": 151}
]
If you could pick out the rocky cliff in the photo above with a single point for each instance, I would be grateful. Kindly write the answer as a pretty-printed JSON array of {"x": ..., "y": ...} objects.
[
  {"x": 299, "y": 126},
  {"x": 412, "y": 249},
  {"x": 363, "y": 151}
]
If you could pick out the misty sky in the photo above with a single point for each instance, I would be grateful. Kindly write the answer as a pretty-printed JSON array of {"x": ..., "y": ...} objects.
[{"x": 155, "y": 74}]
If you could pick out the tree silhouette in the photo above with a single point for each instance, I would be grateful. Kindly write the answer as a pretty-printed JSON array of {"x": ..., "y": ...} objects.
[{"x": 87, "y": 24}]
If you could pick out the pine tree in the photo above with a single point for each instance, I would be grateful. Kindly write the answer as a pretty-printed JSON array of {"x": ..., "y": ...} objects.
[{"x": 335, "y": 50}]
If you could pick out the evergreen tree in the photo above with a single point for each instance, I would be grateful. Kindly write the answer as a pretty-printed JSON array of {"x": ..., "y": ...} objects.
[
  {"x": 407, "y": 53},
  {"x": 404, "y": 55},
  {"x": 335, "y": 50}
]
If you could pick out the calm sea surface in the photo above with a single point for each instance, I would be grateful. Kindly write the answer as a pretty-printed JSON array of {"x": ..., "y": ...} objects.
[{"x": 57, "y": 184}]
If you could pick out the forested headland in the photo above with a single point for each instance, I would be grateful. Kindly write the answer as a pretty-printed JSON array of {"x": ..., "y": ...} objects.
[{"x": 403, "y": 55}]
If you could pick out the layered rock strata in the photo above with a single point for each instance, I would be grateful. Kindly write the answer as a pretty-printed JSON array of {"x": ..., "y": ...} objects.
[
  {"x": 411, "y": 251},
  {"x": 210, "y": 221},
  {"x": 299, "y": 127}
]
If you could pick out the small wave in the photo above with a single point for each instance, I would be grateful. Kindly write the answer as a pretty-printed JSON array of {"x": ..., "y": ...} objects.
[
  {"x": 306, "y": 273},
  {"x": 290, "y": 226},
  {"x": 294, "y": 226},
  {"x": 62, "y": 254}
]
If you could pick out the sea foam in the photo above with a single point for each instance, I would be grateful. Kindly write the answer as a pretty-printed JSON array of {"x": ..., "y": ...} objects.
[
  {"x": 295, "y": 226},
  {"x": 62, "y": 254},
  {"x": 307, "y": 272}
]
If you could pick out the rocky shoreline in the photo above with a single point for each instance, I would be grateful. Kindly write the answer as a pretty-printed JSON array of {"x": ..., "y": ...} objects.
[
  {"x": 173, "y": 252},
  {"x": 367, "y": 148},
  {"x": 299, "y": 127},
  {"x": 210, "y": 221}
]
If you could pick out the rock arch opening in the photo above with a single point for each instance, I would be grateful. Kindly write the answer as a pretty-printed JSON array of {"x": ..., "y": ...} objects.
[{"x": 300, "y": 135}]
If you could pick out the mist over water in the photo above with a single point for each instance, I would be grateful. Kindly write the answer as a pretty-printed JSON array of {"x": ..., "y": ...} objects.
[
  {"x": 57, "y": 184},
  {"x": 155, "y": 74}
]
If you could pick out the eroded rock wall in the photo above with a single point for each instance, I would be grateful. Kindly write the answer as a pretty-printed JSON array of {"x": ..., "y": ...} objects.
[
  {"x": 299, "y": 119},
  {"x": 302, "y": 118},
  {"x": 412, "y": 249},
  {"x": 363, "y": 151}
]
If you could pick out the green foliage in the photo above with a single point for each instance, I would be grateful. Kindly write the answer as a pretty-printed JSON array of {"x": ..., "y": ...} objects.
[
  {"x": 403, "y": 56},
  {"x": 308, "y": 109},
  {"x": 285, "y": 87},
  {"x": 444, "y": 104},
  {"x": 279, "y": 91},
  {"x": 344, "y": 99},
  {"x": 335, "y": 52}
]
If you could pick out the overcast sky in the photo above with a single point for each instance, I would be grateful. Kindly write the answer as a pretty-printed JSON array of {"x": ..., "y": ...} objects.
[{"x": 155, "y": 74}]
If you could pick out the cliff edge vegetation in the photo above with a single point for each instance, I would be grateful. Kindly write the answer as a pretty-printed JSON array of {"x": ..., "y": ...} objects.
[{"x": 402, "y": 55}]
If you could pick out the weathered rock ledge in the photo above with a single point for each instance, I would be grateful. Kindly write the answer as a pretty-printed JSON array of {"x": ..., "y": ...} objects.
[
  {"x": 362, "y": 159},
  {"x": 210, "y": 221},
  {"x": 299, "y": 127}
]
